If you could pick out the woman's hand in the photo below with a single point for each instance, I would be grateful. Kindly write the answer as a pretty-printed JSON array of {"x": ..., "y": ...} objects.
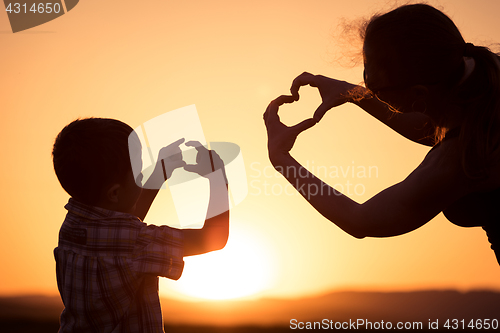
[
  {"x": 333, "y": 92},
  {"x": 281, "y": 137}
]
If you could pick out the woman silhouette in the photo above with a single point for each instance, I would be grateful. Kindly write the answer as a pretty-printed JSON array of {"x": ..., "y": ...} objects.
[{"x": 425, "y": 82}]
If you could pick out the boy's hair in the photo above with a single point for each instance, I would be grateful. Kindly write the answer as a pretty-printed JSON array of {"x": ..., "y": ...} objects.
[{"x": 91, "y": 154}]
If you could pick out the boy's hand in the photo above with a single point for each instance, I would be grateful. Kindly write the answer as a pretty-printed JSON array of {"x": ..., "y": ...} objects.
[
  {"x": 169, "y": 159},
  {"x": 207, "y": 161}
]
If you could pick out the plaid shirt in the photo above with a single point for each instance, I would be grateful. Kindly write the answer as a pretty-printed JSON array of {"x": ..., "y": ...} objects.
[{"x": 108, "y": 265}]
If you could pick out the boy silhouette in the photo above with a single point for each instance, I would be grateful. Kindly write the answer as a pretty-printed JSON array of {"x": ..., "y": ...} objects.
[{"x": 107, "y": 260}]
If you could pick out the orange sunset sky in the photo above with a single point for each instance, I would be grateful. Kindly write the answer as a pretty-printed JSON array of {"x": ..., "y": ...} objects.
[{"x": 134, "y": 60}]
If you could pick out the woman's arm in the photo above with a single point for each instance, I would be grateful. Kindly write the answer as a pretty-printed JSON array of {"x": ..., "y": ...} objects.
[
  {"x": 401, "y": 208},
  {"x": 396, "y": 210},
  {"x": 413, "y": 126}
]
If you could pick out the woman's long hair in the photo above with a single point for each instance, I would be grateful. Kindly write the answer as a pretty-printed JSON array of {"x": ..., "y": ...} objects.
[{"x": 419, "y": 44}]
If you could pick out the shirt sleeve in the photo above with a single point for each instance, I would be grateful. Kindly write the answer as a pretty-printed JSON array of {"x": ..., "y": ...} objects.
[{"x": 159, "y": 251}]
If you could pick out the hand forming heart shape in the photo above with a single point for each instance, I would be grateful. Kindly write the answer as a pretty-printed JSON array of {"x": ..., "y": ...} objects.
[
  {"x": 281, "y": 137},
  {"x": 333, "y": 92}
]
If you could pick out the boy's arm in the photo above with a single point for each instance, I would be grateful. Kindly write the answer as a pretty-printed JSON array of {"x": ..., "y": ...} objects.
[{"x": 215, "y": 232}]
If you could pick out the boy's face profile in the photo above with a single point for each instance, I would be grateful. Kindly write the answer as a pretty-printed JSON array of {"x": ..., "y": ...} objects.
[{"x": 122, "y": 196}]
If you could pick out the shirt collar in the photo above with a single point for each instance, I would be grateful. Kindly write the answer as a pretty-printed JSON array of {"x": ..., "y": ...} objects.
[{"x": 91, "y": 212}]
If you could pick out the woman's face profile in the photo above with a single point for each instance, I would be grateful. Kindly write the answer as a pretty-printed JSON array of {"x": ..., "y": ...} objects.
[{"x": 378, "y": 80}]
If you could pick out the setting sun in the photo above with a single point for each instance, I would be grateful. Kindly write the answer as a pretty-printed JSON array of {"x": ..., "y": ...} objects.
[{"x": 241, "y": 269}]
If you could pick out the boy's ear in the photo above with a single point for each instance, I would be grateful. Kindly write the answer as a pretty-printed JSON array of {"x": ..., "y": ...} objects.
[{"x": 113, "y": 193}]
